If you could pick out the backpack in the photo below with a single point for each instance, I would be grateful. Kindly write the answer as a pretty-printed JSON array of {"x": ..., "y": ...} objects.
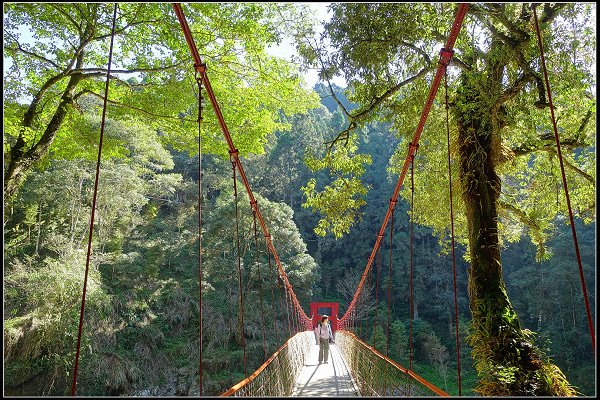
[{"x": 319, "y": 334}]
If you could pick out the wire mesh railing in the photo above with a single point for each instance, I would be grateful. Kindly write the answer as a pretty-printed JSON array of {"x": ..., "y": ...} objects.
[
  {"x": 377, "y": 375},
  {"x": 277, "y": 376}
]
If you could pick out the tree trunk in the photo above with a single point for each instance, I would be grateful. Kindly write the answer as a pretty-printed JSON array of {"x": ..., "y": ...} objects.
[
  {"x": 505, "y": 357},
  {"x": 19, "y": 162}
]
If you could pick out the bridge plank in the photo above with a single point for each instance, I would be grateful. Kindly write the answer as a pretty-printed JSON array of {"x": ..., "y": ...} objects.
[{"x": 325, "y": 380}]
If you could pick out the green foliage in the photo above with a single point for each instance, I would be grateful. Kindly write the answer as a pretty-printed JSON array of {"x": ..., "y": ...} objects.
[
  {"x": 69, "y": 53},
  {"x": 378, "y": 338},
  {"x": 374, "y": 52},
  {"x": 144, "y": 234},
  {"x": 544, "y": 305},
  {"x": 220, "y": 248},
  {"x": 339, "y": 202},
  {"x": 399, "y": 340},
  {"x": 40, "y": 338},
  {"x": 508, "y": 362}
]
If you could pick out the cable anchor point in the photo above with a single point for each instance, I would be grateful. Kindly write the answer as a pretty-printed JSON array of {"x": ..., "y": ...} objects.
[{"x": 445, "y": 56}]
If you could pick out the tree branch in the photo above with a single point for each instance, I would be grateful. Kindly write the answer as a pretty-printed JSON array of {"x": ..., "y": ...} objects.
[
  {"x": 511, "y": 42},
  {"x": 525, "y": 12},
  {"x": 84, "y": 40},
  {"x": 122, "y": 30},
  {"x": 395, "y": 41},
  {"x": 501, "y": 17},
  {"x": 515, "y": 89},
  {"x": 584, "y": 123},
  {"x": 549, "y": 145},
  {"x": 354, "y": 118},
  {"x": 343, "y": 135},
  {"x": 379, "y": 99},
  {"x": 514, "y": 44},
  {"x": 87, "y": 91},
  {"x": 20, "y": 161},
  {"x": 520, "y": 59},
  {"x": 578, "y": 171},
  {"x": 323, "y": 69},
  {"x": 89, "y": 71},
  {"x": 418, "y": 50},
  {"x": 82, "y": 14},
  {"x": 522, "y": 216},
  {"x": 456, "y": 62},
  {"x": 29, "y": 115},
  {"x": 32, "y": 54},
  {"x": 66, "y": 14},
  {"x": 550, "y": 13},
  {"x": 442, "y": 38},
  {"x": 100, "y": 74},
  {"x": 32, "y": 109}
]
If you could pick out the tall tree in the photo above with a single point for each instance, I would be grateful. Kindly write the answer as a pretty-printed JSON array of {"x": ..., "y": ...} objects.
[
  {"x": 58, "y": 55},
  {"x": 506, "y": 164}
]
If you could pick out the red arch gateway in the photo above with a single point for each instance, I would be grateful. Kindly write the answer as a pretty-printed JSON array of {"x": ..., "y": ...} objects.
[{"x": 316, "y": 310}]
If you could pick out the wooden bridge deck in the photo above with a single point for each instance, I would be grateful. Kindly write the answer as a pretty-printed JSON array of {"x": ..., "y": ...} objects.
[{"x": 325, "y": 380}]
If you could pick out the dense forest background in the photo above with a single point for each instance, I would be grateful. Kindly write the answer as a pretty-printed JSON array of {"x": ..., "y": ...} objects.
[
  {"x": 142, "y": 310},
  {"x": 142, "y": 316}
]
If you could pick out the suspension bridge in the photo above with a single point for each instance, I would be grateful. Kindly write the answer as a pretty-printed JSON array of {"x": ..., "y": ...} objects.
[{"x": 355, "y": 368}]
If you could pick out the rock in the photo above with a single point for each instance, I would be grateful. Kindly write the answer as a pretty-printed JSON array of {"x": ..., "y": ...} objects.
[{"x": 183, "y": 388}]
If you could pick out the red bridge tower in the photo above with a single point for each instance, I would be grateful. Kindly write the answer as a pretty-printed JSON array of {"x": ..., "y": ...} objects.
[{"x": 318, "y": 309}]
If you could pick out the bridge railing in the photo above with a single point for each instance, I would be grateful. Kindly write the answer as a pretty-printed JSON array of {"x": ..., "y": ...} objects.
[
  {"x": 377, "y": 375},
  {"x": 277, "y": 376}
]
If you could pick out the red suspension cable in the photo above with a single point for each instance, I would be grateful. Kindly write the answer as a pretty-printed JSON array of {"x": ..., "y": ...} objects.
[
  {"x": 287, "y": 309},
  {"x": 299, "y": 322},
  {"x": 273, "y": 295},
  {"x": 260, "y": 293},
  {"x": 411, "y": 235},
  {"x": 293, "y": 313},
  {"x": 89, "y": 249},
  {"x": 564, "y": 180},
  {"x": 389, "y": 288},
  {"x": 365, "y": 307},
  {"x": 452, "y": 234},
  {"x": 200, "y": 275},
  {"x": 293, "y": 317},
  {"x": 376, "y": 298},
  {"x": 361, "y": 302},
  {"x": 239, "y": 264},
  {"x": 368, "y": 316}
]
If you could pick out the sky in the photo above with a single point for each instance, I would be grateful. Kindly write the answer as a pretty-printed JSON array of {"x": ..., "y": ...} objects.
[{"x": 286, "y": 50}]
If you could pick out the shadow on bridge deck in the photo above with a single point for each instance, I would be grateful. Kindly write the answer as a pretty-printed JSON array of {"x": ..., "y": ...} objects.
[{"x": 325, "y": 380}]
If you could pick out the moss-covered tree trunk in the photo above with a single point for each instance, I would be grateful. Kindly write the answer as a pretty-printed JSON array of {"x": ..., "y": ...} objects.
[{"x": 506, "y": 359}]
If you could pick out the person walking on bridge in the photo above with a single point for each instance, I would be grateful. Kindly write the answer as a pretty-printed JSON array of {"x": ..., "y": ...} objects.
[{"x": 324, "y": 337}]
